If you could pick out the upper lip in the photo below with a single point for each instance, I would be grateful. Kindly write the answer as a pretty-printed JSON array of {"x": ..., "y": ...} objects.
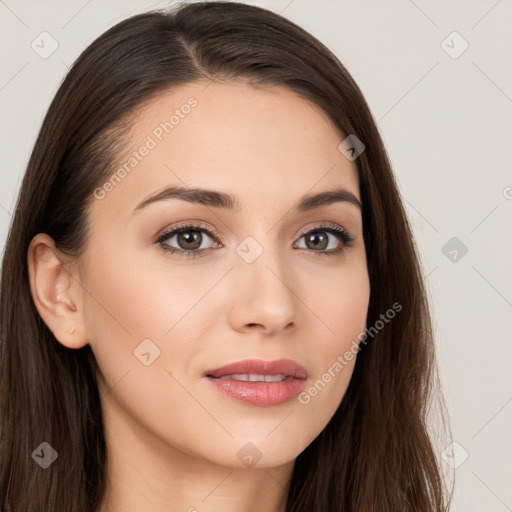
[{"x": 260, "y": 367}]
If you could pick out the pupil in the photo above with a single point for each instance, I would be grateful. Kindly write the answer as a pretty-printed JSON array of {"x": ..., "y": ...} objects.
[
  {"x": 190, "y": 239},
  {"x": 315, "y": 237}
]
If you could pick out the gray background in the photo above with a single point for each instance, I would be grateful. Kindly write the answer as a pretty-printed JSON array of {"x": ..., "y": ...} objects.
[{"x": 448, "y": 128}]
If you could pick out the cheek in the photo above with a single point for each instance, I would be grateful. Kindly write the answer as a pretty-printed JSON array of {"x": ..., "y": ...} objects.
[
  {"x": 341, "y": 306},
  {"x": 131, "y": 297},
  {"x": 128, "y": 301},
  {"x": 134, "y": 309},
  {"x": 339, "y": 298}
]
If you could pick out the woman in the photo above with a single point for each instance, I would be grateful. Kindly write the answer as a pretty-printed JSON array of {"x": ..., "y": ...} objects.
[{"x": 211, "y": 297}]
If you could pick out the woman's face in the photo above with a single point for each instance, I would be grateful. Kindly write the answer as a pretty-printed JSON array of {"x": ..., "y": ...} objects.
[{"x": 254, "y": 284}]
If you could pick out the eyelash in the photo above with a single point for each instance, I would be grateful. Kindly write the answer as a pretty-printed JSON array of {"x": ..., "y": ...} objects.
[{"x": 343, "y": 236}]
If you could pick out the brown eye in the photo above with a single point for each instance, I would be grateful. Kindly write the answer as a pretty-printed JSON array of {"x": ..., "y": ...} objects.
[
  {"x": 318, "y": 240},
  {"x": 189, "y": 240}
]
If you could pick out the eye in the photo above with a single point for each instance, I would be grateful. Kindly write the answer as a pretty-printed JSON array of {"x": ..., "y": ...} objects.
[
  {"x": 190, "y": 239},
  {"x": 318, "y": 240}
]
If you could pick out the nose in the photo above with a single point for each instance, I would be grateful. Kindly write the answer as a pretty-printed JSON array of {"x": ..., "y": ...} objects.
[{"x": 263, "y": 296}]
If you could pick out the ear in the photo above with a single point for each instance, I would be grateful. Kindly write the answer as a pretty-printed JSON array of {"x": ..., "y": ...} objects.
[{"x": 56, "y": 292}]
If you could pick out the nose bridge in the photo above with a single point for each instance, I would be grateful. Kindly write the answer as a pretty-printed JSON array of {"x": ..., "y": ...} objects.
[
  {"x": 265, "y": 294},
  {"x": 262, "y": 256}
]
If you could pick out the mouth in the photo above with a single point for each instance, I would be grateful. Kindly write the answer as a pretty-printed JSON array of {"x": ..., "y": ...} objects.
[
  {"x": 257, "y": 370},
  {"x": 258, "y": 382},
  {"x": 252, "y": 377}
]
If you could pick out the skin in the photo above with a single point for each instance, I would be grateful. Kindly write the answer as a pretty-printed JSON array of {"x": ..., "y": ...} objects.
[{"x": 172, "y": 438}]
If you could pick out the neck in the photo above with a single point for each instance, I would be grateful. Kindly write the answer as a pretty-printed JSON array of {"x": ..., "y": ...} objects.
[{"x": 145, "y": 473}]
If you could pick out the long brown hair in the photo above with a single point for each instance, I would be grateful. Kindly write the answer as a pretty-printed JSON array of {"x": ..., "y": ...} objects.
[{"x": 376, "y": 453}]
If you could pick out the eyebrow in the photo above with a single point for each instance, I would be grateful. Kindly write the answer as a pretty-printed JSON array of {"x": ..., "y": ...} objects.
[{"x": 217, "y": 199}]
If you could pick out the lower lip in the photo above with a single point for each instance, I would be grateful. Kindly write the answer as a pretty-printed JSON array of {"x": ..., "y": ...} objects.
[{"x": 262, "y": 394}]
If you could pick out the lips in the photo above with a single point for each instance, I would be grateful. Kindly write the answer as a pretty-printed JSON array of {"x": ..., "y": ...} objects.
[
  {"x": 257, "y": 367},
  {"x": 259, "y": 383}
]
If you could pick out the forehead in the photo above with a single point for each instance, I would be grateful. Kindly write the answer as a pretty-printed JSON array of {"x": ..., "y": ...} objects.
[{"x": 261, "y": 143}]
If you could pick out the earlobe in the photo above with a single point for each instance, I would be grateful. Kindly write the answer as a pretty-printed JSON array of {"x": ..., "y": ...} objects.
[{"x": 56, "y": 292}]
